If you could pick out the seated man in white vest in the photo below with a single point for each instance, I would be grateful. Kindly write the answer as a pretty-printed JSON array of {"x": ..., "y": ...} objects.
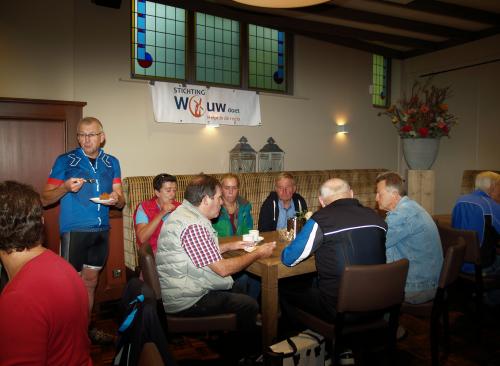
[{"x": 195, "y": 279}]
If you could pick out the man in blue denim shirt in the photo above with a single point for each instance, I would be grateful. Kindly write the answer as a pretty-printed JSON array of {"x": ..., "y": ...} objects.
[{"x": 411, "y": 234}]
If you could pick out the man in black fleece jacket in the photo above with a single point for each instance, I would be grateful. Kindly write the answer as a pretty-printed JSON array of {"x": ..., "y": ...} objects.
[{"x": 281, "y": 204}]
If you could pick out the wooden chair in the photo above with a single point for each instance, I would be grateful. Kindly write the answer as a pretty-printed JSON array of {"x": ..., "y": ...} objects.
[
  {"x": 177, "y": 324},
  {"x": 363, "y": 289},
  {"x": 438, "y": 308}
]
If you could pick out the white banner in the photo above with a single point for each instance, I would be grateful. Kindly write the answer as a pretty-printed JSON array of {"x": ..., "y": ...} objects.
[{"x": 178, "y": 103}]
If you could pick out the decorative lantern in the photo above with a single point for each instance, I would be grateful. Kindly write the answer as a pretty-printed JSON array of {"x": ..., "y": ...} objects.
[
  {"x": 271, "y": 157},
  {"x": 242, "y": 158}
]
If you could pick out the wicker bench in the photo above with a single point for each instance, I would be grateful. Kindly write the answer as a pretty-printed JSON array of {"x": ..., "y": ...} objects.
[{"x": 254, "y": 187}]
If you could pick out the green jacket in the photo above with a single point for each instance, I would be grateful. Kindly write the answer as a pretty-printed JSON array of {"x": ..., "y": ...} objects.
[{"x": 244, "y": 222}]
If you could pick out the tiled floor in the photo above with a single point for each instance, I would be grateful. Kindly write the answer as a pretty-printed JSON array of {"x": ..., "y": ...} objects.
[{"x": 466, "y": 348}]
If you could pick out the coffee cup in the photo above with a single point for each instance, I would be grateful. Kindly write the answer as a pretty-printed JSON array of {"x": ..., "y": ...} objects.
[
  {"x": 248, "y": 238},
  {"x": 255, "y": 234}
]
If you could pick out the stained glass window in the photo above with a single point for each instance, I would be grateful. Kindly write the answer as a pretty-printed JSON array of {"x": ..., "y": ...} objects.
[
  {"x": 217, "y": 50},
  {"x": 174, "y": 44},
  {"x": 380, "y": 71},
  {"x": 158, "y": 40},
  {"x": 266, "y": 58}
]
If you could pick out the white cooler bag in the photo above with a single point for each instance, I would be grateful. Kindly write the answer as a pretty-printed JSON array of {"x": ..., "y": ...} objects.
[{"x": 305, "y": 349}]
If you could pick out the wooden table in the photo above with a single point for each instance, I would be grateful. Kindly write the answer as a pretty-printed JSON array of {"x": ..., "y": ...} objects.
[
  {"x": 270, "y": 270},
  {"x": 444, "y": 218}
]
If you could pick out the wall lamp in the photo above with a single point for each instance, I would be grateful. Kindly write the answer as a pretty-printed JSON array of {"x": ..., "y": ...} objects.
[
  {"x": 212, "y": 124},
  {"x": 342, "y": 129}
]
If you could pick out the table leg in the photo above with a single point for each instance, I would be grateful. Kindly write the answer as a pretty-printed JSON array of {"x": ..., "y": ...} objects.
[{"x": 269, "y": 305}]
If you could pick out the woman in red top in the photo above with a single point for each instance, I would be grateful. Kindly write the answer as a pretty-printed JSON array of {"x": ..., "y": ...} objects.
[{"x": 151, "y": 214}]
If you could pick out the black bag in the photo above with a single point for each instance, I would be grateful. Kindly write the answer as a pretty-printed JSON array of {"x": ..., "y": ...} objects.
[{"x": 140, "y": 325}]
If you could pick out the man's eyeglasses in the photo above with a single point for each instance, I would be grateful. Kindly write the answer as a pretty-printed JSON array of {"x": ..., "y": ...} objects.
[{"x": 89, "y": 135}]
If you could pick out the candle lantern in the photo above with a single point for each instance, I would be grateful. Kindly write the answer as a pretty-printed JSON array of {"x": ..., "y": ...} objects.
[
  {"x": 271, "y": 157},
  {"x": 242, "y": 158}
]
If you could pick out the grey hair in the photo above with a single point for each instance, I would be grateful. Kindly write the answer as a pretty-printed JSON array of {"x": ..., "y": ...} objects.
[
  {"x": 89, "y": 120},
  {"x": 393, "y": 182},
  {"x": 334, "y": 187},
  {"x": 486, "y": 180}
]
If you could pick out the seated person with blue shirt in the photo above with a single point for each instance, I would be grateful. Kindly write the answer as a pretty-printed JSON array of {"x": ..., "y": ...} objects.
[
  {"x": 151, "y": 214},
  {"x": 281, "y": 204},
  {"x": 479, "y": 211},
  {"x": 411, "y": 234}
]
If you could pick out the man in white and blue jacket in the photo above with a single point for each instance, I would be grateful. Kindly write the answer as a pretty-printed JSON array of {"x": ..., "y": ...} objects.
[{"x": 342, "y": 233}]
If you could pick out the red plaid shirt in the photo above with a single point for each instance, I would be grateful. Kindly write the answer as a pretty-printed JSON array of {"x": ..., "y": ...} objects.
[{"x": 200, "y": 246}]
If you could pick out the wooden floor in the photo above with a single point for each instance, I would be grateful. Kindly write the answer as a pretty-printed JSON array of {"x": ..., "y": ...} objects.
[{"x": 466, "y": 347}]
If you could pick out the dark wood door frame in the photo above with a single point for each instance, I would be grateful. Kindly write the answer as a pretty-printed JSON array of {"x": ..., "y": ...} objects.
[{"x": 46, "y": 111}]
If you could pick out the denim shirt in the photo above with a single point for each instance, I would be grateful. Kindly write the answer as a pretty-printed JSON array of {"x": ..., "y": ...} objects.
[
  {"x": 413, "y": 234},
  {"x": 285, "y": 214}
]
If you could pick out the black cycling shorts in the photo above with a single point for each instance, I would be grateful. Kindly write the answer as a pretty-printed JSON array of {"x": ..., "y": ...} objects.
[{"x": 85, "y": 249}]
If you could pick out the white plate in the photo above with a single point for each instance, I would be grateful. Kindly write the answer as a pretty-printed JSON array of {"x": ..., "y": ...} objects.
[
  {"x": 98, "y": 200},
  {"x": 260, "y": 239}
]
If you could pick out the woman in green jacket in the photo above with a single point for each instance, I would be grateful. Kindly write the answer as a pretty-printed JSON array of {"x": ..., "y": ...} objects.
[{"x": 235, "y": 216}]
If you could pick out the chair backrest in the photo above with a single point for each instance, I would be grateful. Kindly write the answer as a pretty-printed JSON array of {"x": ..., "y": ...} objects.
[
  {"x": 366, "y": 288},
  {"x": 147, "y": 264},
  {"x": 453, "y": 260},
  {"x": 450, "y": 237}
]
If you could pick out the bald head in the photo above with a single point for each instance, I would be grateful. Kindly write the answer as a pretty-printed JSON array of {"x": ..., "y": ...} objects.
[{"x": 334, "y": 189}]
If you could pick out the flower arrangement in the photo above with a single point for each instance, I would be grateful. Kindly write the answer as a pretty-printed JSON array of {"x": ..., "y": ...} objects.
[
  {"x": 304, "y": 215},
  {"x": 424, "y": 114}
]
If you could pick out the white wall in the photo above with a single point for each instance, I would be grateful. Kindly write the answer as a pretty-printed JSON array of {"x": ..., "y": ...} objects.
[
  {"x": 475, "y": 142},
  {"x": 75, "y": 50}
]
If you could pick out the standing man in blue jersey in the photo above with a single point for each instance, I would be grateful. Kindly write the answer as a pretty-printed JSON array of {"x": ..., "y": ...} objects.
[{"x": 75, "y": 178}]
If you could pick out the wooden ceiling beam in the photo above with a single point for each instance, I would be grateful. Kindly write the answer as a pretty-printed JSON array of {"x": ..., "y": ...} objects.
[
  {"x": 357, "y": 44},
  {"x": 355, "y": 37},
  {"x": 335, "y": 11},
  {"x": 299, "y": 26},
  {"x": 455, "y": 11},
  {"x": 454, "y": 42}
]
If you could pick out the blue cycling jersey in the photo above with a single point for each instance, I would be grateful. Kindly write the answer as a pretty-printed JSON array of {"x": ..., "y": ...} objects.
[{"x": 78, "y": 213}]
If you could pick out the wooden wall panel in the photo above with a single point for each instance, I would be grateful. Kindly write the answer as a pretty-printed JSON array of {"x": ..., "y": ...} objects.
[{"x": 33, "y": 133}]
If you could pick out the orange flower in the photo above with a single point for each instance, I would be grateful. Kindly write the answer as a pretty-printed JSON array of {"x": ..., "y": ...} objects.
[
  {"x": 424, "y": 113},
  {"x": 424, "y": 108}
]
